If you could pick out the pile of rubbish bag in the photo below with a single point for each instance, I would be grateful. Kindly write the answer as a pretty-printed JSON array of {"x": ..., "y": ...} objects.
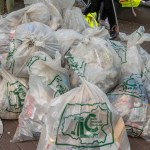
[{"x": 69, "y": 86}]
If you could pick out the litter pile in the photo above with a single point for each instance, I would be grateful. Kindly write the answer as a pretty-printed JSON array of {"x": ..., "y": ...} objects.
[{"x": 69, "y": 85}]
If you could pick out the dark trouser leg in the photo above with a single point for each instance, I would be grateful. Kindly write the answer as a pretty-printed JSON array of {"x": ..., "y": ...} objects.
[{"x": 110, "y": 12}]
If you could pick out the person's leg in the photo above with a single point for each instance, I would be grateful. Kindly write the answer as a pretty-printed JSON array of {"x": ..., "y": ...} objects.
[
  {"x": 110, "y": 12},
  {"x": 94, "y": 7},
  {"x": 111, "y": 18},
  {"x": 10, "y": 5},
  {"x": 2, "y": 4}
]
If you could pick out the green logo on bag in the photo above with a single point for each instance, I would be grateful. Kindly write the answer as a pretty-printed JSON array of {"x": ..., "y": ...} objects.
[
  {"x": 133, "y": 86},
  {"x": 87, "y": 126},
  {"x": 77, "y": 65},
  {"x": 121, "y": 50},
  {"x": 58, "y": 86},
  {"x": 33, "y": 59},
  {"x": 10, "y": 58},
  {"x": 16, "y": 95}
]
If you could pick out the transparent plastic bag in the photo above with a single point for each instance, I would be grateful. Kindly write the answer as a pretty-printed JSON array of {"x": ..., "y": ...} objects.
[
  {"x": 134, "y": 62},
  {"x": 55, "y": 15},
  {"x": 96, "y": 32},
  {"x": 47, "y": 80},
  {"x": 94, "y": 60},
  {"x": 28, "y": 39},
  {"x": 29, "y": 14},
  {"x": 12, "y": 95},
  {"x": 56, "y": 8},
  {"x": 67, "y": 38},
  {"x": 9, "y": 24},
  {"x": 74, "y": 19},
  {"x": 83, "y": 118},
  {"x": 130, "y": 100}
]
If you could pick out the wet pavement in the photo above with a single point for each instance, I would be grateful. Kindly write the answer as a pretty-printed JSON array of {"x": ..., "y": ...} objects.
[{"x": 10, "y": 126}]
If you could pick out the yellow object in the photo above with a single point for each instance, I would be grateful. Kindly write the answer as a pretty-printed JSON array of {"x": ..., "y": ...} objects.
[
  {"x": 91, "y": 20},
  {"x": 130, "y": 3}
]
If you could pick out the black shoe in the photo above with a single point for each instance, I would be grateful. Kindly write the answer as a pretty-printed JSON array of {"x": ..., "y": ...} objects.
[{"x": 114, "y": 33}]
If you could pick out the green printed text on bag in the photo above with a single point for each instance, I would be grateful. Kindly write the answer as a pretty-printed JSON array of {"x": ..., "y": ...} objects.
[{"x": 33, "y": 59}]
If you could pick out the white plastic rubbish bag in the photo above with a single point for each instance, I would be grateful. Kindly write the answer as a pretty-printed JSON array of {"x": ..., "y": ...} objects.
[
  {"x": 134, "y": 60},
  {"x": 55, "y": 8},
  {"x": 83, "y": 118},
  {"x": 96, "y": 32},
  {"x": 47, "y": 80},
  {"x": 12, "y": 95},
  {"x": 28, "y": 39},
  {"x": 29, "y": 14},
  {"x": 130, "y": 100},
  {"x": 67, "y": 38},
  {"x": 94, "y": 60},
  {"x": 74, "y": 19},
  {"x": 133, "y": 56},
  {"x": 25, "y": 15},
  {"x": 55, "y": 15}
]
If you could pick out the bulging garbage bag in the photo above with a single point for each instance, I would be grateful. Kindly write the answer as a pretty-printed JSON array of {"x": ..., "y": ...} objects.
[
  {"x": 47, "y": 80},
  {"x": 55, "y": 15},
  {"x": 9, "y": 24},
  {"x": 29, "y": 14},
  {"x": 83, "y": 118},
  {"x": 130, "y": 100},
  {"x": 27, "y": 40},
  {"x": 67, "y": 38},
  {"x": 130, "y": 97},
  {"x": 12, "y": 95},
  {"x": 94, "y": 60},
  {"x": 96, "y": 32},
  {"x": 74, "y": 19},
  {"x": 135, "y": 61},
  {"x": 56, "y": 8}
]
